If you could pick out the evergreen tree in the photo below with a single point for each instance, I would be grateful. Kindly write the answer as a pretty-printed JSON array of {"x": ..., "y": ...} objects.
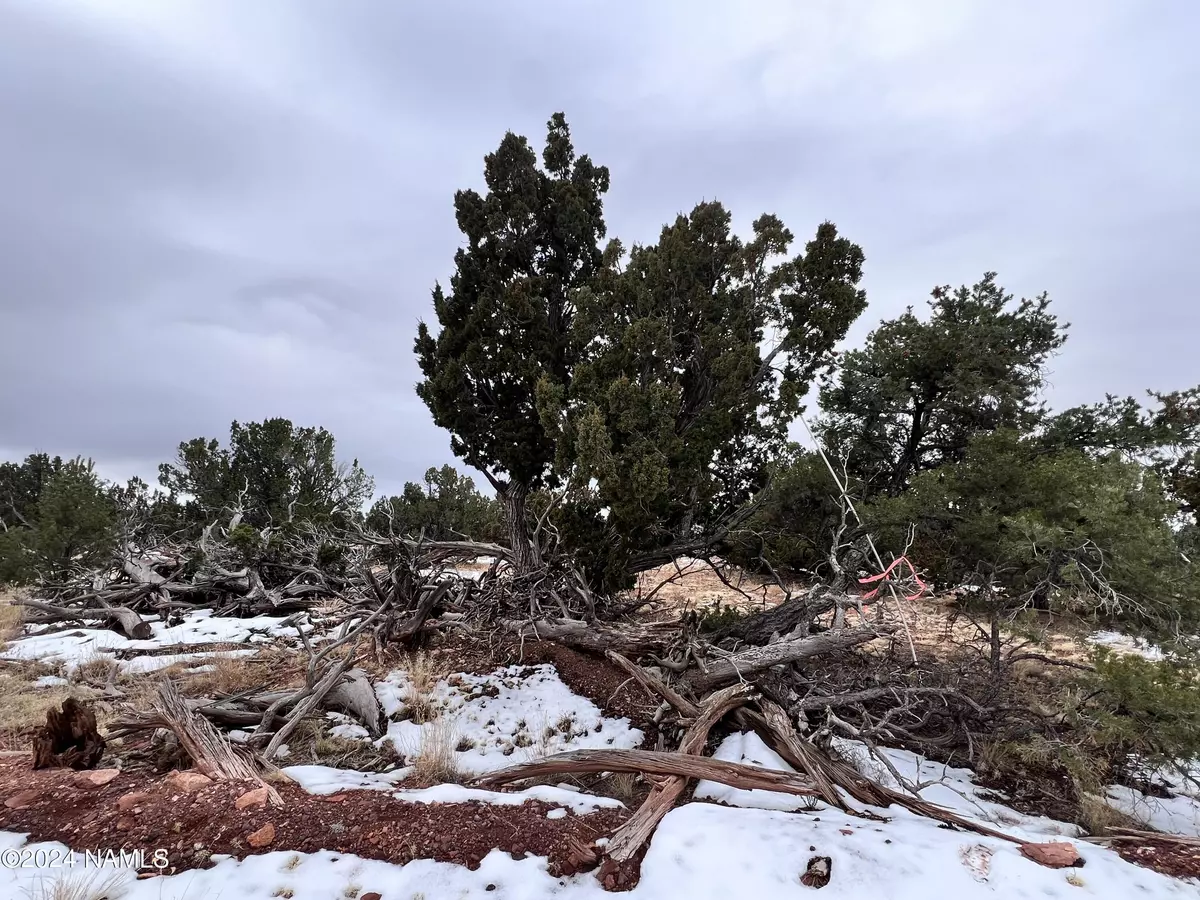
[
  {"x": 274, "y": 471},
  {"x": 676, "y": 407},
  {"x": 918, "y": 392},
  {"x": 531, "y": 242}
]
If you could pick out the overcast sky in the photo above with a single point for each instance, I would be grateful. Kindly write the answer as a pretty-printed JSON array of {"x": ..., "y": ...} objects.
[{"x": 222, "y": 209}]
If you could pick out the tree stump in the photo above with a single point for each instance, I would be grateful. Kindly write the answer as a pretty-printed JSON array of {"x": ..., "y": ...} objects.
[{"x": 69, "y": 739}]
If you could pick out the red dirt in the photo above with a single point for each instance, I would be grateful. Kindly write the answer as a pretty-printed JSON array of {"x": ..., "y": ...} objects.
[
  {"x": 57, "y": 805},
  {"x": 1169, "y": 858}
]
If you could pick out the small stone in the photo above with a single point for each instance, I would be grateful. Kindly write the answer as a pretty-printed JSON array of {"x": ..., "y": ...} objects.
[
  {"x": 188, "y": 782},
  {"x": 132, "y": 799},
  {"x": 125, "y": 823},
  {"x": 96, "y": 777},
  {"x": 262, "y": 837},
  {"x": 1053, "y": 854},
  {"x": 21, "y": 800},
  {"x": 371, "y": 895},
  {"x": 335, "y": 798},
  {"x": 256, "y": 797}
]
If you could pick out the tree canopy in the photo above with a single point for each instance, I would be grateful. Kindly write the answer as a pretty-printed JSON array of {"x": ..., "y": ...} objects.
[
  {"x": 273, "y": 471},
  {"x": 915, "y": 395}
]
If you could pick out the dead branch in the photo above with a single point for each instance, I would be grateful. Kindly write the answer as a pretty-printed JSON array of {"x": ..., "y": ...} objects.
[
  {"x": 738, "y": 666},
  {"x": 652, "y": 762},
  {"x": 629, "y": 838}
]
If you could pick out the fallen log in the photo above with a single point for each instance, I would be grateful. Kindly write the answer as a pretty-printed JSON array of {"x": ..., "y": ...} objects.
[
  {"x": 629, "y": 838},
  {"x": 595, "y": 637},
  {"x": 736, "y": 666},
  {"x": 131, "y": 623},
  {"x": 794, "y": 615},
  {"x": 69, "y": 739},
  {"x": 211, "y": 753},
  {"x": 653, "y": 762},
  {"x": 429, "y": 600},
  {"x": 354, "y": 695}
]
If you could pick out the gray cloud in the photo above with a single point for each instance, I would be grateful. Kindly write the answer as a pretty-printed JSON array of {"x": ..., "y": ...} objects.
[{"x": 217, "y": 210}]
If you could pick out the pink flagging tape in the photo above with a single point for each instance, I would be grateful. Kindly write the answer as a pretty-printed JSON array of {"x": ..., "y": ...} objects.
[{"x": 921, "y": 586}]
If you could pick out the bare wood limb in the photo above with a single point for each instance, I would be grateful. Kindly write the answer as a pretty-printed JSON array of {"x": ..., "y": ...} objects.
[
  {"x": 651, "y": 762},
  {"x": 654, "y": 685},
  {"x": 211, "y": 753},
  {"x": 737, "y": 666},
  {"x": 595, "y": 637},
  {"x": 629, "y": 838}
]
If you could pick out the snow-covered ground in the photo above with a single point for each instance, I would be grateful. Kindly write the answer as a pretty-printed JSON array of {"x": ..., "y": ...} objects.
[
  {"x": 1124, "y": 643},
  {"x": 755, "y": 844},
  {"x": 700, "y": 851},
  {"x": 80, "y": 645},
  {"x": 1179, "y": 814},
  {"x": 501, "y": 718}
]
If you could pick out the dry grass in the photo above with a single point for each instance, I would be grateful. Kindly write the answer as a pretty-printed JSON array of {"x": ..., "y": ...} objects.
[
  {"x": 98, "y": 669},
  {"x": 434, "y": 761},
  {"x": 11, "y": 617},
  {"x": 346, "y": 753},
  {"x": 95, "y": 885},
  {"x": 230, "y": 674},
  {"x": 23, "y": 706},
  {"x": 423, "y": 676}
]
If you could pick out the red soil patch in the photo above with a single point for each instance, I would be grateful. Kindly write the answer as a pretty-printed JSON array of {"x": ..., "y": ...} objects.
[
  {"x": 57, "y": 805},
  {"x": 1169, "y": 858}
]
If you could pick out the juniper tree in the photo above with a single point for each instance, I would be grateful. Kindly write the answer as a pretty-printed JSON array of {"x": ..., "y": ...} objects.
[
  {"x": 916, "y": 394},
  {"x": 532, "y": 240},
  {"x": 693, "y": 360}
]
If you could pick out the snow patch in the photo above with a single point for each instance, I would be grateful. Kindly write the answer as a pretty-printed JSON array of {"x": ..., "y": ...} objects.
[{"x": 503, "y": 718}]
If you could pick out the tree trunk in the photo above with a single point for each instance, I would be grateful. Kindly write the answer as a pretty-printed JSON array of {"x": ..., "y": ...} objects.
[
  {"x": 526, "y": 556},
  {"x": 69, "y": 738}
]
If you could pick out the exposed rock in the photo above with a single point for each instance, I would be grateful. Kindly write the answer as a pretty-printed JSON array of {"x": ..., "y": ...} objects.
[
  {"x": 132, "y": 799},
  {"x": 371, "y": 895},
  {"x": 816, "y": 875},
  {"x": 188, "y": 782},
  {"x": 1053, "y": 854},
  {"x": 97, "y": 777},
  {"x": 21, "y": 800},
  {"x": 256, "y": 797},
  {"x": 262, "y": 837}
]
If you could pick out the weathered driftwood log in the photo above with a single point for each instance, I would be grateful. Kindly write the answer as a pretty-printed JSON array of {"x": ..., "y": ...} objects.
[
  {"x": 595, "y": 637},
  {"x": 629, "y": 838},
  {"x": 794, "y": 615},
  {"x": 355, "y": 696},
  {"x": 69, "y": 739},
  {"x": 652, "y": 762},
  {"x": 430, "y": 598},
  {"x": 129, "y": 621},
  {"x": 211, "y": 753},
  {"x": 735, "y": 666}
]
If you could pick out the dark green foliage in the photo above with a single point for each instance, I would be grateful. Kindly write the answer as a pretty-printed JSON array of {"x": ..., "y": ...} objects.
[
  {"x": 273, "y": 471},
  {"x": 675, "y": 411},
  {"x": 532, "y": 241},
  {"x": 1144, "y": 708},
  {"x": 794, "y": 524},
  {"x": 1165, "y": 437},
  {"x": 21, "y": 485},
  {"x": 913, "y": 398},
  {"x": 71, "y": 526},
  {"x": 1086, "y": 533},
  {"x": 718, "y": 617},
  {"x": 446, "y": 507}
]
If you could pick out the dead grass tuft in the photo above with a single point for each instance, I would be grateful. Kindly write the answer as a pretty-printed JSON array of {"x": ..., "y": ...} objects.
[
  {"x": 96, "y": 670},
  {"x": 23, "y": 706},
  {"x": 344, "y": 753},
  {"x": 423, "y": 676},
  {"x": 96, "y": 885},
  {"x": 434, "y": 761},
  {"x": 11, "y": 618}
]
